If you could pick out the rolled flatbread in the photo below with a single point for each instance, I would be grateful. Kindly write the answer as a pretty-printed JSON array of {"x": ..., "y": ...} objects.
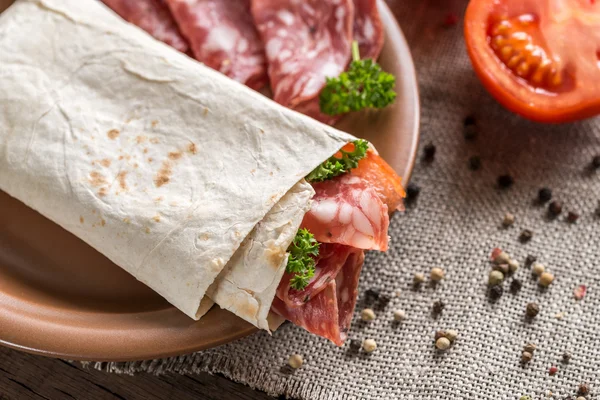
[{"x": 161, "y": 164}]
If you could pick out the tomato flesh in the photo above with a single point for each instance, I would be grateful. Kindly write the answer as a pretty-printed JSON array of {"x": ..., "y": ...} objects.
[{"x": 539, "y": 58}]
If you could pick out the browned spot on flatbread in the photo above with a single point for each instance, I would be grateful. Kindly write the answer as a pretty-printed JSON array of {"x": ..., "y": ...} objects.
[
  {"x": 173, "y": 204},
  {"x": 113, "y": 134},
  {"x": 154, "y": 140},
  {"x": 81, "y": 220},
  {"x": 140, "y": 139},
  {"x": 121, "y": 178},
  {"x": 158, "y": 199},
  {"x": 205, "y": 236},
  {"x": 121, "y": 157},
  {"x": 145, "y": 150},
  {"x": 154, "y": 123},
  {"x": 127, "y": 220},
  {"x": 192, "y": 148},
  {"x": 147, "y": 230},
  {"x": 97, "y": 179},
  {"x": 105, "y": 162},
  {"x": 135, "y": 165},
  {"x": 175, "y": 155},
  {"x": 102, "y": 221},
  {"x": 156, "y": 218},
  {"x": 205, "y": 111},
  {"x": 164, "y": 174},
  {"x": 102, "y": 192},
  {"x": 275, "y": 255},
  {"x": 150, "y": 159},
  {"x": 93, "y": 211},
  {"x": 253, "y": 171}
]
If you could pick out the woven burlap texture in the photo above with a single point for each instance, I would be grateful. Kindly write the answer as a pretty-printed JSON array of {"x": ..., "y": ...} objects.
[{"x": 455, "y": 224}]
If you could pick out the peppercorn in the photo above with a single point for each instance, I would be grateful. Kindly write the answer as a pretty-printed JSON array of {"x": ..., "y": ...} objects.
[
  {"x": 584, "y": 389},
  {"x": 513, "y": 266},
  {"x": 383, "y": 301},
  {"x": 371, "y": 296},
  {"x": 367, "y": 315},
  {"x": 442, "y": 343},
  {"x": 508, "y": 220},
  {"x": 526, "y": 357},
  {"x": 566, "y": 357},
  {"x": 502, "y": 268},
  {"x": 501, "y": 258},
  {"x": 429, "y": 152},
  {"x": 538, "y": 269},
  {"x": 355, "y": 345},
  {"x": 553, "y": 370},
  {"x": 496, "y": 292},
  {"x": 530, "y": 260},
  {"x": 418, "y": 279},
  {"x": 475, "y": 163},
  {"x": 437, "y": 274},
  {"x": 544, "y": 195},
  {"x": 399, "y": 315},
  {"x": 515, "y": 286},
  {"x": 532, "y": 310},
  {"x": 505, "y": 181},
  {"x": 412, "y": 192},
  {"x": 369, "y": 345},
  {"x": 555, "y": 208},
  {"x": 438, "y": 306},
  {"x": 470, "y": 129},
  {"x": 572, "y": 217},
  {"x": 546, "y": 279},
  {"x": 525, "y": 236},
  {"x": 580, "y": 398},
  {"x": 495, "y": 278},
  {"x": 439, "y": 334},
  {"x": 525, "y": 397},
  {"x": 451, "y": 335},
  {"x": 295, "y": 361},
  {"x": 529, "y": 347},
  {"x": 596, "y": 162}
]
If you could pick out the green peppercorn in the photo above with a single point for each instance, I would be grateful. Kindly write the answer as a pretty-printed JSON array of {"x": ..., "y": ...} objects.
[{"x": 496, "y": 277}]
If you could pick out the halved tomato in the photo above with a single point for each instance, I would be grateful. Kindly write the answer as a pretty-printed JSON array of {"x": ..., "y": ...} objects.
[{"x": 539, "y": 58}]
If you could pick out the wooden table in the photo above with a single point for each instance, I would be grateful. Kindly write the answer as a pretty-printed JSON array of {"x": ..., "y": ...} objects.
[{"x": 25, "y": 376}]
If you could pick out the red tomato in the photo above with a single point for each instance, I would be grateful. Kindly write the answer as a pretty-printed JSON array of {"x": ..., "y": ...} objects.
[{"x": 539, "y": 58}]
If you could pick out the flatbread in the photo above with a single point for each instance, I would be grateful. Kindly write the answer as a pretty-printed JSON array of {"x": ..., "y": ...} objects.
[{"x": 161, "y": 164}]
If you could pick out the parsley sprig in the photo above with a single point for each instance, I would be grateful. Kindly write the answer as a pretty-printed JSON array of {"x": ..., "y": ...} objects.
[
  {"x": 301, "y": 262},
  {"x": 335, "y": 166},
  {"x": 364, "y": 85}
]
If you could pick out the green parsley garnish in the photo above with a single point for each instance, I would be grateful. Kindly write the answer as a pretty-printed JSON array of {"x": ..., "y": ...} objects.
[
  {"x": 301, "y": 262},
  {"x": 364, "y": 85},
  {"x": 336, "y": 166}
]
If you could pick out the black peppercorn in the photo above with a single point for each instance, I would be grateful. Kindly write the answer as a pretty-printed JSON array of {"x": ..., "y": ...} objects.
[
  {"x": 532, "y": 310},
  {"x": 583, "y": 390},
  {"x": 384, "y": 300},
  {"x": 596, "y": 162},
  {"x": 438, "y": 306},
  {"x": 544, "y": 195},
  {"x": 429, "y": 152},
  {"x": 412, "y": 191},
  {"x": 371, "y": 296},
  {"x": 566, "y": 357},
  {"x": 470, "y": 132},
  {"x": 496, "y": 292},
  {"x": 355, "y": 345},
  {"x": 572, "y": 217},
  {"x": 469, "y": 120},
  {"x": 515, "y": 286},
  {"x": 525, "y": 236},
  {"x": 475, "y": 163},
  {"x": 505, "y": 181},
  {"x": 555, "y": 208},
  {"x": 530, "y": 260}
]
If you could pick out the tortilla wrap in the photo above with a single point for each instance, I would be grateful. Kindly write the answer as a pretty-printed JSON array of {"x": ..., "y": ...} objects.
[{"x": 161, "y": 164}]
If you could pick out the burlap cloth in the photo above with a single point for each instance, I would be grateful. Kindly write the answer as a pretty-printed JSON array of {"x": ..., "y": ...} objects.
[{"x": 455, "y": 224}]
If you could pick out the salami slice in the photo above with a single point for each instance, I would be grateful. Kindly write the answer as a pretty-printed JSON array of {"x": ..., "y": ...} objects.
[
  {"x": 305, "y": 42},
  {"x": 222, "y": 36},
  {"x": 368, "y": 28},
  {"x": 332, "y": 258},
  {"x": 346, "y": 210},
  {"x": 154, "y": 17},
  {"x": 329, "y": 313}
]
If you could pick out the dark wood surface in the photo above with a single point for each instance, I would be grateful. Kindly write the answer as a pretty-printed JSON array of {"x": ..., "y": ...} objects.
[{"x": 25, "y": 376}]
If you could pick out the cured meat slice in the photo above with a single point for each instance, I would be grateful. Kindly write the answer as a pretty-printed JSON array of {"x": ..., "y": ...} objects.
[
  {"x": 330, "y": 261},
  {"x": 154, "y": 17},
  {"x": 346, "y": 210},
  {"x": 222, "y": 36},
  {"x": 368, "y": 28},
  {"x": 329, "y": 313},
  {"x": 382, "y": 178},
  {"x": 305, "y": 42}
]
